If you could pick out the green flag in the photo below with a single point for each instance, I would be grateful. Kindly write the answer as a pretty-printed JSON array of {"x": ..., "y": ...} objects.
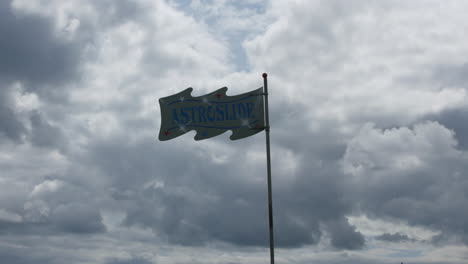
[{"x": 212, "y": 114}]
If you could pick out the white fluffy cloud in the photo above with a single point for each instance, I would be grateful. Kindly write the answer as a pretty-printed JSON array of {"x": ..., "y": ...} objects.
[{"x": 364, "y": 61}]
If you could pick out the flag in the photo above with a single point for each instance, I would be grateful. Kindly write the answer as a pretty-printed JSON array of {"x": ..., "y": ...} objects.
[{"x": 212, "y": 114}]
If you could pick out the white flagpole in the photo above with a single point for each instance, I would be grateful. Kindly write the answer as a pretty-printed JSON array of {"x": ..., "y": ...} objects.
[{"x": 270, "y": 200}]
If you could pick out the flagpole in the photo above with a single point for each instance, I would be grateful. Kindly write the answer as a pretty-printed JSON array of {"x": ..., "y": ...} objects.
[{"x": 270, "y": 199}]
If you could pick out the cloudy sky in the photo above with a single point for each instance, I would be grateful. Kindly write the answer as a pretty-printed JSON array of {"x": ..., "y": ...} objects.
[{"x": 369, "y": 117}]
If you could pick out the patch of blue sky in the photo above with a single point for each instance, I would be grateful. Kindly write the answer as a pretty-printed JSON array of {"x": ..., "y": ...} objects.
[
  {"x": 258, "y": 5},
  {"x": 231, "y": 21}
]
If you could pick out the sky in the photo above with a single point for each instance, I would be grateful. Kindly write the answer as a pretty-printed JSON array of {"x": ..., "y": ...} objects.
[{"x": 369, "y": 132}]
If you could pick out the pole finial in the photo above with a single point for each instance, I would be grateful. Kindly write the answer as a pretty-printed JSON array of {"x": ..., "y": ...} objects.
[{"x": 264, "y": 75}]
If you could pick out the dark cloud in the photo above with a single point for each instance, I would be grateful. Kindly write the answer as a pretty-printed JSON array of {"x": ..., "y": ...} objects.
[
  {"x": 456, "y": 120},
  {"x": 395, "y": 237},
  {"x": 345, "y": 236},
  {"x": 316, "y": 198},
  {"x": 55, "y": 207},
  {"x": 195, "y": 204},
  {"x": 10, "y": 125},
  {"x": 134, "y": 260},
  {"x": 420, "y": 180},
  {"x": 33, "y": 55},
  {"x": 78, "y": 218},
  {"x": 30, "y": 51},
  {"x": 44, "y": 134},
  {"x": 71, "y": 219},
  {"x": 451, "y": 75},
  {"x": 18, "y": 256},
  {"x": 199, "y": 201}
]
